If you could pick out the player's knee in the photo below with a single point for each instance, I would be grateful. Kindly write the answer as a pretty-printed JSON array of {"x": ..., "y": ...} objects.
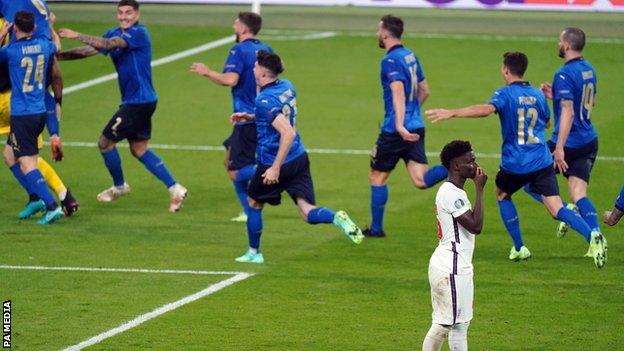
[
  {"x": 232, "y": 174},
  {"x": 501, "y": 195},
  {"x": 377, "y": 178},
  {"x": 254, "y": 204},
  {"x": 104, "y": 144}
]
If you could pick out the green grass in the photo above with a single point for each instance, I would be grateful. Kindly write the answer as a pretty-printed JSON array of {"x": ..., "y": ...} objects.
[{"x": 317, "y": 291}]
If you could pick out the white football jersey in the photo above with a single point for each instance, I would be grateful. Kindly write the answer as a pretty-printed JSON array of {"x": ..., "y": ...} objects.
[{"x": 454, "y": 252}]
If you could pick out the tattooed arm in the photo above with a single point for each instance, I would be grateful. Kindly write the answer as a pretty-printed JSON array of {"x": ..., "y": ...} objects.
[
  {"x": 77, "y": 53},
  {"x": 96, "y": 42}
]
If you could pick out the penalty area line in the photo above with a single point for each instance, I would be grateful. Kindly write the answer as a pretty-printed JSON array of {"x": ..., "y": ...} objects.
[{"x": 211, "y": 289}]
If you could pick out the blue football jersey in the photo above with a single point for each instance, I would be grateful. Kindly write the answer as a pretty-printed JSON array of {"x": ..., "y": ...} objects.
[
  {"x": 523, "y": 113},
  {"x": 400, "y": 64},
  {"x": 28, "y": 60},
  {"x": 38, "y": 7},
  {"x": 133, "y": 64},
  {"x": 575, "y": 81},
  {"x": 273, "y": 99},
  {"x": 241, "y": 60}
]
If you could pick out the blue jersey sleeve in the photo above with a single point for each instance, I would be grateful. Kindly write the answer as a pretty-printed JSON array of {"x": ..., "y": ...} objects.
[
  {"x": 234, "y": 62},
  {"x": 268, "y": 108},
  {"x": 499, "y": 100},
  {"x": 562, "y": 88},
  {"x": 136, "y": 37},
  {"x": 392, "y": 70}
]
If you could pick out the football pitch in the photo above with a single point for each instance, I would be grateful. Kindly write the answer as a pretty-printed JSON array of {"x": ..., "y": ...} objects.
[{"x": 129, "y": 275}]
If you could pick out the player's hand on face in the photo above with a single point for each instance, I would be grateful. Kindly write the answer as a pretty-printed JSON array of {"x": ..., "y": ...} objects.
[
  {"x": 438, "y": 114},
  {"x": 67, "y": 33},
  {"x": 199, "y": 68},
  {"x": 559, "y": 157},
  {"x": 407, "y": 136},
  {"x": 480, "y": 178},
  {"x": 271, "y": 176},
  {"x": 546, "y": 88},
  {"x": 6, "y": 27}
]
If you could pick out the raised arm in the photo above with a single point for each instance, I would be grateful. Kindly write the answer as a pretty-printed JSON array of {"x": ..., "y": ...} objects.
[
  {"x": 98, "y": 43},
  {"x": 474, "y": 111},
  {"x": 229, "y": 79},
  {"x": 77, "y": 53}
]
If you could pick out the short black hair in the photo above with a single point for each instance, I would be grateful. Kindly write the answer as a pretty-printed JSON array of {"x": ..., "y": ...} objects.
[
  {"x": 516, "y": 62},
  {"x": 252, "y": 20},
  {"x": 452, "y": 150},
  {"x": 393, "y": 24},
  {"x": 575, "y": 37},
  {"x": 25, "y": 21},
  {"x": 270, "y": 61},
  {"x": 133, "y": 3}
]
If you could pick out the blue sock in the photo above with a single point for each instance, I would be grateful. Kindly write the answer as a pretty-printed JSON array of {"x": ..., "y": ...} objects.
[
  {"x": 575, "y": 221},
  {"x": 21, "y": 178},
  {"x": 321, "y": 215},
  {"x": 435, "y": 175},
  {"x": 240, "y": 187},
  {"x": 157, "y": 167},
  {"x": 254, "y": 227},
  {"x": 245, "y": 173},
  {"x": 112, "y": 160},
  {"x": 509, "y": 214},
  {"x": 588, "y": 212},
  {"x": 619, "y": 202},
  {"x": 536, "y": 196},
  {"x": 40, "y": 187},
  {"x": 379, "y": 198}
]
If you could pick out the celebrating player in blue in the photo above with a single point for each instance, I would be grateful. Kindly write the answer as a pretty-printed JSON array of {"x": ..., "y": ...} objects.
[
  {"x": 240, "y": 157},
  {"x": 574, "y": 142},
  {"x": 403, "y": 131},
  {"x": 613, "y": 217},
  {"x": 28, "y": 59},
  {"x": 283, "y": 163},
  {"x": 38, "y": 8},
  {"x": 130, "y": 48},
  {"x": 523, "y": 113}
]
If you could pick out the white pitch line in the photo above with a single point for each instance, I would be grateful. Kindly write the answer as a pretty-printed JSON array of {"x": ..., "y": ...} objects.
[
  {"x": 120, "y": 270},
  {"x": 211, "y": 289},
  {"x": 159, "y": 311},
  {"x": 309, "y": 150}
]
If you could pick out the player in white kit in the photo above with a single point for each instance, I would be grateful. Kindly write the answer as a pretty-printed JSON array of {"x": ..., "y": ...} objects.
[{"x": 450, "y": 266}]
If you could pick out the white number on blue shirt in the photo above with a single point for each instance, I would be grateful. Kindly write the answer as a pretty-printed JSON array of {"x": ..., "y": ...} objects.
[
  {"x": 414, "y": 88},
  {"x": 27, "y": 62},
  {"x": 532, "y": 115},
  {"x": 588, "y": 99}
]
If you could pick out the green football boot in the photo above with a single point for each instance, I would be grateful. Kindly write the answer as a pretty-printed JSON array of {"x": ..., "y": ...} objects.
[
  {"x": 348, "y": 227},
  {"x": 523, "y": 254},
  {"x": 251, "y": 257},
  {"x": 598, "y": 249},
  {"x": 242, "y": 218},
  {"x": 563, "y": 227}
]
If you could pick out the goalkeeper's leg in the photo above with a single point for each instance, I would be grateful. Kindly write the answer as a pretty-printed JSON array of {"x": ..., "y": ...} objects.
[{"x": 52, "y": 178}]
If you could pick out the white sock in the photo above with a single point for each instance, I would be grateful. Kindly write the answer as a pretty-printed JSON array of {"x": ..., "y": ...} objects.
[
  {"x": 458, "y": 337},
  {"x": 62, "y": 194},
  {"x": 435, "y": 337},
  {"x": 253, "y": 251}
]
